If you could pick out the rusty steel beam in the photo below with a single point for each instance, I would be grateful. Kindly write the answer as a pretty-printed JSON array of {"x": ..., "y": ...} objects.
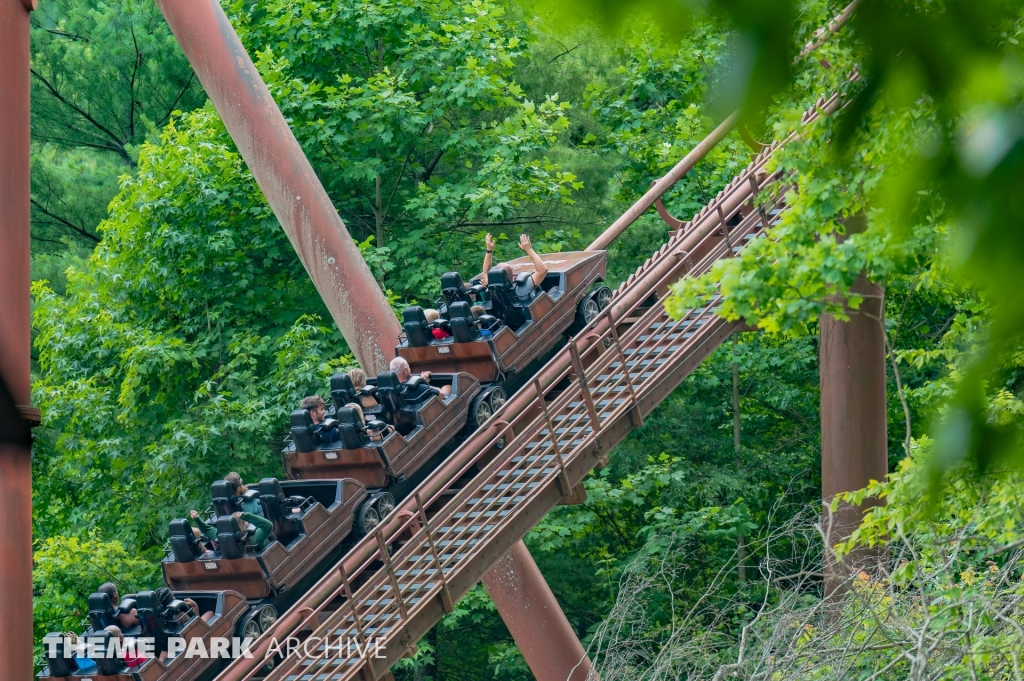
[
  {"x": 15, "y": 339},
  {"x": 533, "y": 616},
  {"x": 284, "y": 174},
  {"x": 854, "y": 443},
  {"x": 663, "y": 184}
]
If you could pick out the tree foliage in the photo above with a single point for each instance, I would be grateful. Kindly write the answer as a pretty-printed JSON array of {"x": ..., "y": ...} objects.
[
  {"x": 180, "y": 348},
  {"x": 412, "y": 119},
  {"x": 104, "y": 76}
]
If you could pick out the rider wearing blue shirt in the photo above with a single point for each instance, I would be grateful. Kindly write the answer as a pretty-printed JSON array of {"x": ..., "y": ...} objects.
[{"x": 327, "y": 433}]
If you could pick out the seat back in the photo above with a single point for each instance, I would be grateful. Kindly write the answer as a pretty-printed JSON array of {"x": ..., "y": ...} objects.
[
  {"x": 286, "y": 528},
  {"x": 224, "y": 499},
  {"x": 230, "y": 538},
  {"x": 184, "y": 545},
  {"x": 59, "y": 665},
  {"x": 462, "y": 323},
  {"x": 302, "y": 430},
  {"x": 342, "y": 391},
  {"x": 351, "y": 428},
  {"x": 396, "y": 410},
  {"x": 107, "y": 666},
  {"x": 150, "y": 611},
  {"x": 387, "y": 395},
  {"x": 101, "y": 611},
  {"x": 452, "y": 288},
  {"x": 502, "y": 294},
  {"x": 417, "y": 331},
  {"x": 524, "y": 283}
]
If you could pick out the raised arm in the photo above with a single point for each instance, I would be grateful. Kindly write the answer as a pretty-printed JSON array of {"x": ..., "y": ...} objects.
[
  {"x": 488, "y": 257},
  {"x": 540, "y": 269}
]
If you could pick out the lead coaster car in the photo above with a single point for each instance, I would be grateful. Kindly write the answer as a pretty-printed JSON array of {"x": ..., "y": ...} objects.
[{"x": 567, "y": 302}]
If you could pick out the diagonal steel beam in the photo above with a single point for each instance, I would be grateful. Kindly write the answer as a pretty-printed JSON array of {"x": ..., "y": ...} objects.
[{"x": 284, "y": 174}]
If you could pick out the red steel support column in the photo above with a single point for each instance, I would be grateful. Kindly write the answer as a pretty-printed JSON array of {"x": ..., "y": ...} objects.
[
  {"x": 853, "y": 417},
  {"x": 536, "y": 621},
  {"x": 284, "y": 174},
  {"x": 15, "y": 456}
]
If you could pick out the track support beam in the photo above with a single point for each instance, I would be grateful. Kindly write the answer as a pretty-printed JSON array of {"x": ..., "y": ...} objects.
[
  {"x": 854, "y": 447},
  {"x": 15, "y": 339},
  {"x": 284, "y": 174},
  {"x": 536, "y": 621}
]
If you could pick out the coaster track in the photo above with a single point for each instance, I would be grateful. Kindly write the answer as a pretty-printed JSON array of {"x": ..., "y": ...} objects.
[{"x": 398, "y": 582}]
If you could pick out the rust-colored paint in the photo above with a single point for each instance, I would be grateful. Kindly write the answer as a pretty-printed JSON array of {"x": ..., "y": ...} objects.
[
  {"x": 854, "y": 446},
  {"x": 534, "y": 618},
  {"x": 15, "y": 457},
  {"x": 663, "y": 184},
  {"x": 287, "y": 179}
]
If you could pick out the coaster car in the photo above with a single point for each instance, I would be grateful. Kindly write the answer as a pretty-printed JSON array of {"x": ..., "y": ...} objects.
[
  {"x": 161, "y": 615},
  {"x": 516, "y": 328},
  {"x": 394, "y": 444},
  {"x": 310, "y": 519}
]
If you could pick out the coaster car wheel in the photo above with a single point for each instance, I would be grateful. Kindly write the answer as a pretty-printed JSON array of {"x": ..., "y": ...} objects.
[
  {"x": 367, "y": 518},
  {"x": 480, "y": 410}
]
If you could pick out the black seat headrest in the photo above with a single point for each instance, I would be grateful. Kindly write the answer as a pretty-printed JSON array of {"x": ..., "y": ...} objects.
[
  {"x": 414, "y": 313},
  {"x": 179, "y": 527},
  {"x": 452, "y": 281},
  {"x": 387, "y": 379},
  {"x": 60, "y": 662},
  {"x": 100, "y": 602},
  {"x": 230, "y": 537},
  {"x": 271, "y": 487},
  {"x": 224, "y": 499},
  {"x": 107, "y": 666},
  {"x": 498, "y": 277},
  {"x": 417, "y": 331},
  {"x": 101, "y": 611},
  {"x": 341, "y": 381},
  {"x": 301, "y": 429},
  {"x": 486, "y": 321},
  {"x": 300, "y": 418},
  {"x": 228, "y": 524},
  {"x": 147, "y": 600},
  {"x": 127, "y": 604},
  {"x": 222, "y": 489},
  {"x": 348, "y": 415},
  {"x": 522, "y": 278},
  {"x": 460, "y": 309}
]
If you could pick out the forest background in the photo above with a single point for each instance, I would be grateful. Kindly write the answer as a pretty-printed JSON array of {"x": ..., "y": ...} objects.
[{"x": 174, "y": 328}]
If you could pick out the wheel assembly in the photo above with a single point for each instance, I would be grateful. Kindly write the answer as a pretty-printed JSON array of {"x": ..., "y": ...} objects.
[
  {"x": 603, "y": 296},
  {"x": 480, "y": 410},
  {"x": 385, "y": 505},
  {"x": 266, "y": 617},
  {"x": 589, "y": 309},
  {"x": 251, "y": 629},
  {"x": 367, "y": 519},
  {"x": 496, "y": 398}
]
